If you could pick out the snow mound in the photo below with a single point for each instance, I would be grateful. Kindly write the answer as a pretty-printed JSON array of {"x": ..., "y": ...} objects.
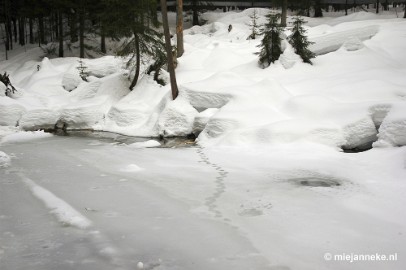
[
  {"x": 71, "y": 79},
  {"x": 2, "y": 89},
  {"x": 93, "y": 102},
  {"x": 11, "y": 112},
  {"x": 202, "y": 119},
  {"x": 289, "y": 58},
  {"x": 177, "y": 118},
  {"x": 392, "y": 131},
  {"x": 64, "y": 212},
  {"x": 131, "y": 168},
  {"x": 353, "y": 44},
  {"x": 332, "y": 42},
  {"x": 5, "y": 160},
  {"x": 102, "y": 67},
  {"x": 146, "y": 144},
  {"x": 24, "y": 136},
  {"x": 137, "y": 113},
  {"x": 39, "y": 119}
]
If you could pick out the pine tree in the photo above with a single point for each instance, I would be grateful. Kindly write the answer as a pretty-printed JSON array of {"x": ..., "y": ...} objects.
[
  {"x": 299, "y": 42},
  {"x": 271, "y": 42},
  {"x": 254, "y": 27}
]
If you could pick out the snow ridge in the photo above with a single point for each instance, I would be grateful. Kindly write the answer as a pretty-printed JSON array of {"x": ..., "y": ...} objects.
[{"x": 64, "y": 212}]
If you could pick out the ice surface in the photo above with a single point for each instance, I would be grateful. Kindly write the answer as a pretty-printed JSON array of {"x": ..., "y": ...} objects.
[{"x": 274, "y": 207}]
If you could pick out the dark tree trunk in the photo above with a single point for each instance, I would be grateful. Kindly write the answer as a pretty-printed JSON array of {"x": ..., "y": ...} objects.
[
  {"x": 168, "y": 47},
  {"x": 31, "y": 26},
  {"x": 284, "y": 12},
  {"x": 179, "y": 27},
  {"x": 56, "y": 24},
  {"x": 195, "y": 15},
  {"x": 377, "y": 6},
  {"x": 82, "y": 32},
  {"x": 21, "y": 31},
  {"x": 317, "y": 9},
  {"x": 386, "y": 6},
  {"x": 73, "y": 28},
  {"x": 404, "y": 15},
  {"x": 15, "y": 30},
  {"x": 10, "y": 35},
  {"x": 102, "y": 38},
  {"x": 60, "y": 32},
  {"x": 346, "y": 7},
  {"x": 138, "y": 61},
  {"x": 41, "y": 30}
]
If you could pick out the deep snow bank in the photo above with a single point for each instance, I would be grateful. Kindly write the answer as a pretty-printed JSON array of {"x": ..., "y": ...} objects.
[{"x": 352, "y": 96}]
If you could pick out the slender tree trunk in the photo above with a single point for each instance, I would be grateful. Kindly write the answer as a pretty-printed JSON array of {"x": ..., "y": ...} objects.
[
  {"x": 138, "y": 61},
  {"x": 377, "y": 6},
  {"x": 404, "y": 15},
  {"x": 284, "y": 12},
  {"x": 60, "y": 32},
  {"x": 195, "y": 15},
  {"x": 179, "y": 27},
  {"x": 168, "y": 47},
  {"x": 41, "y": 30},
  {"x": 56, "y": 24},
  {"x": 31, "y": 26},
  {"x": 102, "y": 38},
  {"x": 72, "y": 27},
  {"x": 317, "y": 9},
  {"x": 21, "y": 32},
  {"x": 82, "y": 32},
  {"x": 15, "y": 30},
  {"x": 10, "y": 35},
  {"x": 346, "y": 7}
]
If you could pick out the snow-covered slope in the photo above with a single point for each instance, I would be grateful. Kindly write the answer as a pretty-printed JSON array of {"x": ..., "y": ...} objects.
[{"x": 352, "y": 96}]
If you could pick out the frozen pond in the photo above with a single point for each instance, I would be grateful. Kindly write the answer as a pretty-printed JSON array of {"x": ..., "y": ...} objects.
[{"x": 79, "y": 202}]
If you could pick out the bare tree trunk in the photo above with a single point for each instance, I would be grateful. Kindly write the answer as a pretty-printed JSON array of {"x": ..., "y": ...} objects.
[
  {"x": 60, "y": 32},
  {"x": 138, "y": 61},
  {"x": 41, "y": 30},
  {"x": 102, "y": 37},
  {"x": 404, "y": 16},
  {"x": 284, "y": 12},
  {"x": 377, "y": 6},
  {"x": 72, "y": 27},
  {"x": 168, "y": 47},
  {"x": 21, "y": 31},
  {"x": 195, "y": 20},
  {"x": 82, "y": 32},
  {"x": 346, "y": 7},
  {"x": 31, "y": 26},
  {"x": 179, "y": 27}
]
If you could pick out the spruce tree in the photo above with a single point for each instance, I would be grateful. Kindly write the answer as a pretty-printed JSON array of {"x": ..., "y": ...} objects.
[
  {"x": 299, "y": 41},
  {"x": 254, "y": 27},
  {"x": 271, "y": 42}
]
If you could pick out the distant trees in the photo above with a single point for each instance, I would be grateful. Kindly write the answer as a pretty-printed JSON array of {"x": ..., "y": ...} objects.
[{"x": 271, "y": 41}]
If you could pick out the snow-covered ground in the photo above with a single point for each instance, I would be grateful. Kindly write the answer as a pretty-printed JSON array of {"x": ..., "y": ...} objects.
[{"x": 267, "y": 186}]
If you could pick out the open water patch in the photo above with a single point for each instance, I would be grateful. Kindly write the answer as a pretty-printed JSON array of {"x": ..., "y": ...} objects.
[{"x": 110, "y": 137}]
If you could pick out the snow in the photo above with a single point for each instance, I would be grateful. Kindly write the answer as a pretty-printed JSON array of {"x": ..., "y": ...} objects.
[
  {"x": 268, "y": 185},
  {"x": 20, "y": 137},
  {"x": 146, "y": 144},
  {"x": 5, "y": 160},
  {"x": 62, "y": 210}
]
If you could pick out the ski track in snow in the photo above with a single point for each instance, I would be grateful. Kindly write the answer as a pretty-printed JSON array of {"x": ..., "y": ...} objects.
[{"x": 211, "y": 201}]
